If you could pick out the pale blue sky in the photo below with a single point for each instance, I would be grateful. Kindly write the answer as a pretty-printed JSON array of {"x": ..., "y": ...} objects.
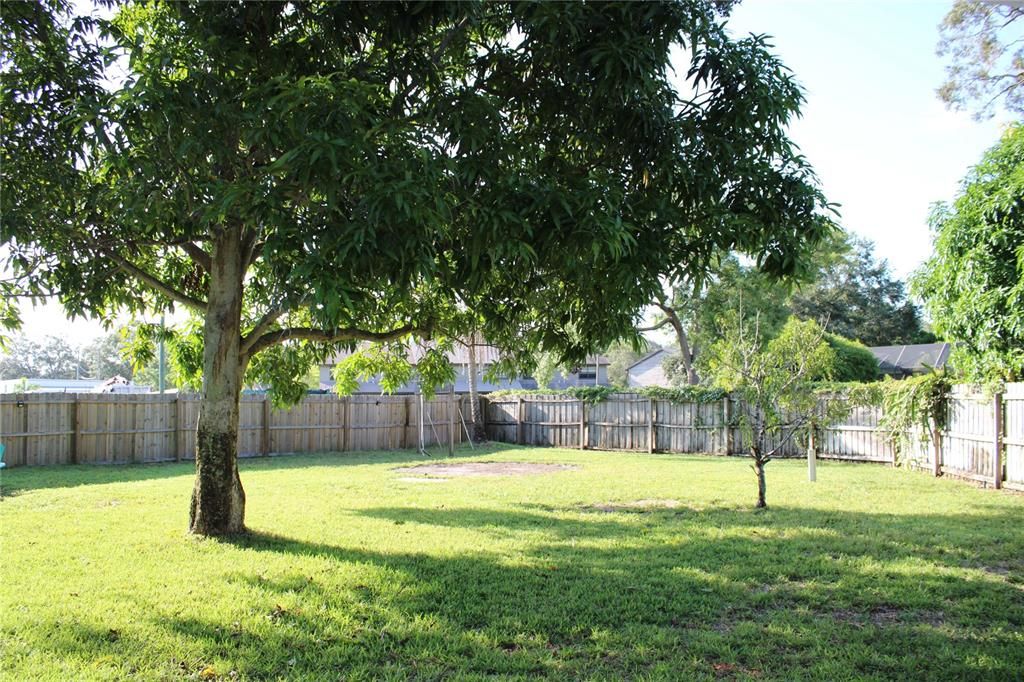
[{"x": 883, "y": 145}]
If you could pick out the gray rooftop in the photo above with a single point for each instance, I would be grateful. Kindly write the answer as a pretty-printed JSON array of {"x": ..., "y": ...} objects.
[{"x": 911, "y": 359}]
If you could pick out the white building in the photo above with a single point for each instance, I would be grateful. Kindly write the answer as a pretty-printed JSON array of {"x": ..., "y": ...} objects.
[
  {"x": 649, "y": 370},
  {"x": 594, "y": 372}
]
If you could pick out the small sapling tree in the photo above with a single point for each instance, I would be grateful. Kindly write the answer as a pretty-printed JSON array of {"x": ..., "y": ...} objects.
[{"x": 771, "y": 378}]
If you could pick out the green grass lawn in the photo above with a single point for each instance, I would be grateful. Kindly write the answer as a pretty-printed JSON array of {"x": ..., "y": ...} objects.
[{"x": 352, "y": 573}]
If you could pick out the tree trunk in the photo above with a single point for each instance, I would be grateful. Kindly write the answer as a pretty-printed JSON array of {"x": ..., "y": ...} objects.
[
  {"x": 761, "y": 487},
  {"x": 684, "y": 344},
  {"x": 218, "y": 501},
  {"x": 475, "y": 425}
]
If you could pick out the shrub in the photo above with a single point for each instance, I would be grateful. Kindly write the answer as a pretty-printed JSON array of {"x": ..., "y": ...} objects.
[{"x": 853, "y": 360}]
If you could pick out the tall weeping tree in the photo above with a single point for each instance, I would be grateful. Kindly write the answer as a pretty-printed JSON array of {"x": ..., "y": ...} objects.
[{"x": 305, "y": 176}]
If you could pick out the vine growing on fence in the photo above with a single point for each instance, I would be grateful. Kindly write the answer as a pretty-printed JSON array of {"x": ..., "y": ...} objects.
[
  {"x": 598, "y": 394},
  {"x": 914, "y": 404}
]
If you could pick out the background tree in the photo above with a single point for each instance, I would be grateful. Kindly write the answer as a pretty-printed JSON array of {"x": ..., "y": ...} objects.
[
  {"x": 698, "y": 312},
  {"x": 858, "y": 298},
  {"x": 620, "y": 356},
  {"x": 303, "y": 177},
  {"x": 973, "y": 284},
  {"x": 842, "y": 285},
  {"x": 104, "y": 357},
  {"x": 50, "y": 358},
  {"x": 984, "y": 42},
  {"x": 772, "y": 379}
]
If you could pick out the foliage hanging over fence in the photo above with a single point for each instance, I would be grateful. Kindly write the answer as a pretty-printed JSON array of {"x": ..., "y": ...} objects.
[
  {"x": 914, "y": 405},
  {"x": 597, "y": 394}
]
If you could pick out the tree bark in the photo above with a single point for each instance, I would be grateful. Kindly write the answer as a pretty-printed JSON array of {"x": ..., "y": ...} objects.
[
  {"x": 686, "y": 353},
  {"x": 218, "y": 501},
  {"x": 761, "y": 486},
  {"x": 475, "y": 425}
]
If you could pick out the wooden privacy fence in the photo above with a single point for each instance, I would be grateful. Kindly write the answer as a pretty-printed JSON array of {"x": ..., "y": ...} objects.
[
  {"x": 983, "y": 439},
  {"x": 87, "y": 428}
]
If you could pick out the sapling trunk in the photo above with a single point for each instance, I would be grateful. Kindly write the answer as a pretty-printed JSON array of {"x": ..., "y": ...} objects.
[{"x": 762, "y": 487}]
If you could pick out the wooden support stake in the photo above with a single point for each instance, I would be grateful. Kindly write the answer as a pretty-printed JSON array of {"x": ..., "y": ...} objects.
[
  {"x": 265, "y": 436},
  {"x": 812, "y": 456},
  {"x": 519, "y": 422},
  {"x": 997, "y": 456},
  {"x": 650, "y": 426}
]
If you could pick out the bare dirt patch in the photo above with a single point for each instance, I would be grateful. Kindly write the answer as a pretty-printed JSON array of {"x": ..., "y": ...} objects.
[{"x": 467, "y": 469}]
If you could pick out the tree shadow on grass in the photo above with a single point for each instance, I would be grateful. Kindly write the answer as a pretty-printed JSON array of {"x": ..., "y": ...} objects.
[
  {"x": 795, "y": 603},
  {"x": 792, "y": 593}
]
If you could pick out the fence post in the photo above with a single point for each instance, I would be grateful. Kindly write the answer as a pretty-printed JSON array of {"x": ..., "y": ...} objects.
[
  {"x": 583, "y": 424},
  {"x": 482, "y": 405},
  {"x": 997, "y": 457},
  {"x": 73, "y": 455},
  {"x": 650, "y": 426},
  {"x": 936, "y": 448},
  {"x": 726, "y": 425},
  {"x": 519, "y": 422},
  {"x": 404, "y": 443},
  {"x": 346, "y": 434},
  {"x": 135, "y": 432},
  {"x": 265, "y": 436},
  {"x": 176, "y": 434},
  {"x": 451, "y": 423}
]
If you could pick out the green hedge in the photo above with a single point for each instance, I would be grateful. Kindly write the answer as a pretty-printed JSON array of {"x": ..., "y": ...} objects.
[{"x": 854, "y": 362}]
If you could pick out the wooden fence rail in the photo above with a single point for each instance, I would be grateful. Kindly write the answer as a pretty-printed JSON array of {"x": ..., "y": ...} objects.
[
  {"x": 86, "y": 428},
  {"x": 983, "y": 439}
]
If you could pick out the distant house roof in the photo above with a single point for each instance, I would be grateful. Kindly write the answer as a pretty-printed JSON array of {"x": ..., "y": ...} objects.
[
  {"x": 486, "y": 354},
  {"x": 649, "y": 370},
  {"x": 912, "y": 359},
  {"x": 649, "y": 356}
]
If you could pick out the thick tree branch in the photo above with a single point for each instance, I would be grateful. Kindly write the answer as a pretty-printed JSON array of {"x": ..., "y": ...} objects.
[
  {"x": 196, "y": 254},
  {"x": 156, "y": 284},
  {"x": 262, "y": 326},
  {"x": 330, "y": 336},
  {"x": 654, "y": 327}
]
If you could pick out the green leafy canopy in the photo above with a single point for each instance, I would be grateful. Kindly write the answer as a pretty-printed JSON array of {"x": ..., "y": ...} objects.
[
  {"x": 385, "y": 171},
  {"x": 973, "y": 284}
]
